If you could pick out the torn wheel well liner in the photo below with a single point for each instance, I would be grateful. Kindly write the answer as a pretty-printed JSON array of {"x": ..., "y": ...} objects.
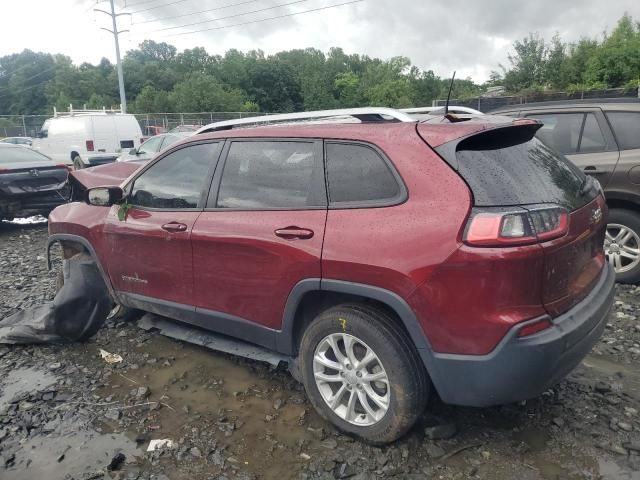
[{"x": 73, "y": 242}]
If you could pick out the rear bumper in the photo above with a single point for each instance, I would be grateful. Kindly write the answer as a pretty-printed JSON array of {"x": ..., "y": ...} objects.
[
  {"x": 522, "y": 368},
  {"x": 40, "y": 203}
]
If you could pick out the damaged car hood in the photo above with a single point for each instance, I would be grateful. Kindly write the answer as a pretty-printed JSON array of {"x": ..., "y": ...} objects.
[{"x": 110, "y": 175}]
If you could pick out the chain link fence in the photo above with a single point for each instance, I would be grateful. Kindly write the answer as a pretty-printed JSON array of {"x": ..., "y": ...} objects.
[
  {"x": 488, "y": 104},
  {"x": 150, "y": 123},
  {"x": 154, "y": 123}
]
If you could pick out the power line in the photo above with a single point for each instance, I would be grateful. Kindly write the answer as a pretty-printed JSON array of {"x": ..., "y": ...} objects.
[
  {"x": 159, "y": 6},
  {"x": 267, "y": 19},
  {"x": 228, "y": 16},
  {"x": 22, "y": 90},
  {"x": 138, "y": 3},
  {"x": 34, "y": 76},
  {"x": 196, "y": 13}
]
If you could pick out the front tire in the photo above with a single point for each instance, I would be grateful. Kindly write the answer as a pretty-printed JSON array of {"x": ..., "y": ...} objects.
[
  {"x": 622, "y": 244},
  {"x": 362, "y": 373}
]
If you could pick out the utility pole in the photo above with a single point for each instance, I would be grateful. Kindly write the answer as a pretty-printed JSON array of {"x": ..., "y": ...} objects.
[{"x": 115, "y": 32}]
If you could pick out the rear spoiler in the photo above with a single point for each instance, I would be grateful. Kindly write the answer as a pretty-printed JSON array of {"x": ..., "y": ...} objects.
[{"x": 491, "y": 139}]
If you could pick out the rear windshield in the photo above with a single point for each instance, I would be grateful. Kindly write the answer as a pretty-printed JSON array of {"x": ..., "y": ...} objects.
[
  {"x": 508, "y": 167},
  {"x": 21, "y": 155}
]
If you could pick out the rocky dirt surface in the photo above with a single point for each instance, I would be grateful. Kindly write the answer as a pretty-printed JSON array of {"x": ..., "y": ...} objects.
[{"x": 66, "y": 413}]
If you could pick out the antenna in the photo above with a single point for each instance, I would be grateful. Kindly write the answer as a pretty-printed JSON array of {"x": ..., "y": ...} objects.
[{"x": 446, "y": 106}]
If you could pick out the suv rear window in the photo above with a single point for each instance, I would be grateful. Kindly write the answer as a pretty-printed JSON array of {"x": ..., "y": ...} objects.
[
  {"x": 626, "y": 127},
  {"x": 508, "y": 167},
  {"x": 358, "y": 174}
]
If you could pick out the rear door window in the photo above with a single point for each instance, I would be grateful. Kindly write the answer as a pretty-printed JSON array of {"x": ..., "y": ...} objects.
[
  {"x": 177, "y": 180},
  {"x": 272, "y": 175},
  {"x": 506, "y": 167},
  {"x": 560, "y": 130},
  {"x": 626, "y": 127},
  {"x": 571, "y": 133},
  {"x": 592, "y": 139},
  {"x": 357, "y": 174}
]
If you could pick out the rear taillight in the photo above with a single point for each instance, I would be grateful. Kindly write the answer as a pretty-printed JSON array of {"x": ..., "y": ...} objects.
[
  {"x": 535, "y": 327},
  {"x": 517, "y": 226},
  {"x": 89, "y": 144}
]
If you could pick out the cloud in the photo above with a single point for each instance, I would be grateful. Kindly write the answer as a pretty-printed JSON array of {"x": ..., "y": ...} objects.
[{"x": 470, "y": 36}]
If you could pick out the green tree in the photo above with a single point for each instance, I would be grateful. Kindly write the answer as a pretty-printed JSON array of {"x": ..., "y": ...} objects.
[
  {"x": 617, "y": 61},
  {"x": 205, "y": 93}
]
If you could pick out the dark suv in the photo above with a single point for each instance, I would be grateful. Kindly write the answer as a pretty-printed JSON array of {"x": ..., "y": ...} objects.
[
  {"x": 603, "y": 139},
  {"x": 385, "y": 259}
]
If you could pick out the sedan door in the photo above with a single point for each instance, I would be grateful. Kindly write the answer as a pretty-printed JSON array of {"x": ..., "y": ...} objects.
[
  {"x": 260, "y": 235},
  {"x": 152, "y": 260}
]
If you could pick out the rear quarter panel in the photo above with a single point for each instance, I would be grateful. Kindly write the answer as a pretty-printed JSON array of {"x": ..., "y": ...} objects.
[{"x": 397, "y": 248}]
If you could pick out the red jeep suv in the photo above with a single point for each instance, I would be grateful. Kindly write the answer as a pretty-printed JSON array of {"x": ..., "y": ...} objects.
[{"x": 386, "y": 257}]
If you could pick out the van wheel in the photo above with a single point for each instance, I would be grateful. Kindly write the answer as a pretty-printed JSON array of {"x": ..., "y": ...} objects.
[
  {"x": 622, "y": 244},
  {"x": 362, "y": 373},
  {"x": 77, "y": 163}
]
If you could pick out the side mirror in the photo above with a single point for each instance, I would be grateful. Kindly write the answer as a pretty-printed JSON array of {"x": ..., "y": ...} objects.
[
  {"x": 104, "y": 196},
  {"x": 133, "y": 151},
  {"x": 41, "y": 134}
]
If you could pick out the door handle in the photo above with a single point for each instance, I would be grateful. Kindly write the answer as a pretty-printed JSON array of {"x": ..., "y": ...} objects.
[
  {"x": 592, "y": 170},
  {"x": 291, "y": 233},
  {"x": 174, "y": 227}
]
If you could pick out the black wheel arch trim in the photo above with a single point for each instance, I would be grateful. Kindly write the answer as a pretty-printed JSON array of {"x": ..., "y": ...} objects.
[
  {"x": 66, "y": 237},
  {"x": 622, "y": 196},
  {"x": 286, "y": 341}
]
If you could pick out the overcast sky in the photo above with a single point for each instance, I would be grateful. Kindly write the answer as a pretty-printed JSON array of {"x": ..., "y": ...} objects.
[{"x": 470, "y": 36}]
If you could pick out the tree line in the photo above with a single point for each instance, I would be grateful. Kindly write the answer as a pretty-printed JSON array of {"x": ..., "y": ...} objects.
[{"x": 158, "y": 78}]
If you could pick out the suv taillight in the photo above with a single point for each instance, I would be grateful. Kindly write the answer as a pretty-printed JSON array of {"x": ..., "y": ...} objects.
[
  {"x": 89, "y": 144},
  {"x": 490, "y": 227}
]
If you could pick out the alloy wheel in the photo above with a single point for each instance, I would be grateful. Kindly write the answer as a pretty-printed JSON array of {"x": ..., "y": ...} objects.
[
  {"x": 622, "y": 247},
  {"x": 351, "y": 379}
]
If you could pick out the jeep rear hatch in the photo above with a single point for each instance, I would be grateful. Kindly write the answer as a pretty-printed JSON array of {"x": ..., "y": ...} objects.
[{"x": 527, "y": 194}]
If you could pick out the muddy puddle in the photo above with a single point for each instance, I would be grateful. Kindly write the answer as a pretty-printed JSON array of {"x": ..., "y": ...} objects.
[
  {"x": 255, "y": 412},
  {"x": 72, "y": 449},
  {"x": 23, "y": 381}
]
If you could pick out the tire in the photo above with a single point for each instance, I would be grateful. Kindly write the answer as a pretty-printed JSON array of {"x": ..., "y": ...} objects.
[
  {"x": 77, "y": 163},
  {"x": 404, "y": 394},
  {"x": 622, "y": 242}
]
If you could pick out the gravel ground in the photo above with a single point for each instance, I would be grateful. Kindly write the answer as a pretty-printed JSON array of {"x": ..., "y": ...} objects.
[{"x": 66, "y": 413}]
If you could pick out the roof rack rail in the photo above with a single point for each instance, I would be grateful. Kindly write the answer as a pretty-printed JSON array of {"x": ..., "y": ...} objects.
[
  {"x": 84, "y": 111},
  {"x": 453, "y": 108},
  {"x": 366, "y": 114}
]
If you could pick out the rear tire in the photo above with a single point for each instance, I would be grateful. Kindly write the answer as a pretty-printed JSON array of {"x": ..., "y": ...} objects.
[
  {"x": 393, "y": 382},
  {"x": 622, "y": 244}
]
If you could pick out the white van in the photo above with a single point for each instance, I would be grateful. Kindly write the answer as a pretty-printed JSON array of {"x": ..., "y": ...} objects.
[{"x": 85, "y": 138}]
